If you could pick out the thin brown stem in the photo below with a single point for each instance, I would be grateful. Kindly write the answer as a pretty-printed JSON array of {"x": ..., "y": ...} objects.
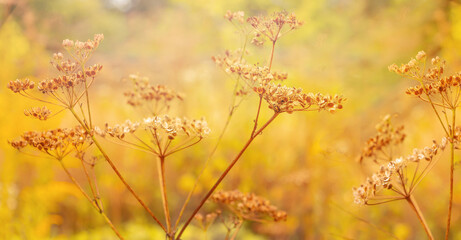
[
  {"x": 452, "y": 169},
  {"x": 162, "y": 182},
  {"x": 91, "y": 201},
  {"x": 272, "y": 55},
  {"x": 114, "y": 168},
  {"x": 411, "y": 200},
  {"x": 237, "y": 230},
  {"x": 224, "y": 174}
]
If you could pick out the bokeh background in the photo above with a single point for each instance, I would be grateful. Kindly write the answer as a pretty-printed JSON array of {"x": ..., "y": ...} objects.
[{"x": 305, "y": 163}]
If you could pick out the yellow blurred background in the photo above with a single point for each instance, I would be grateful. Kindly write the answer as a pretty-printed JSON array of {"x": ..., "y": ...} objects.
[{"x": 305, "y": 163}]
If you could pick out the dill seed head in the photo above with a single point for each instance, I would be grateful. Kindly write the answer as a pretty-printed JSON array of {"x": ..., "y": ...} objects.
[
  {"x": 41, "y": 113},
  {"x": 20, "y": 85},
  {"x": 206, "y": 221},
  {"x": 387, "y": 135},
  {"x": 274, "y": 26},
  {"x": 390, "y": 174},
  {"x": 248, "y": 206},
  {"x": 238, "y": 16},
  {"x": 57, "y": 142},
  {"x": 82, "y": 50},
  {"x": 155, "y": 98}
]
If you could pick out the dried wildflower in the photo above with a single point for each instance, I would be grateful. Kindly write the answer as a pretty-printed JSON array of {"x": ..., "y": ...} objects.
[
  {"x": 228, "y": 59},
  {"x": 57, "y": 142},
  {"x": 41, "y": 113},
  {"x": 155, "y": 98},
  {"x": 238, "y": 16},
  {"x": 387, "y": 137},
  {"x": 273, "y": 27},
  {"x": 18, "y": 86},
  {"x": 393, "y": 175},
  {"x": 206, "y": 221},
  {"x": 248, "y": 206},
  {"x": 433, "y": 83},
  {"x": 290, "y": 99},
  {"x": 161, "y": 130},
  {"x": 82, "y": 50}
]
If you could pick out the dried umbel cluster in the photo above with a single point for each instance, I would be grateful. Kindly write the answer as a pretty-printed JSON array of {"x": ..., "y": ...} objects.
[
  {"x": 206, "y": 221},
  {"x": 68, "y": 88},
  {"x": 161, "y": 130},
  {"x": 57, "y": 143},
  {"x": 388, "y": 136},
  {"x": 432, "y": 81},
  {"x": 248, "y": 206},
  {"x": 41, "y": 113},
  {"x": 82, "y": 50},
  {"x": 273, "y": 27},
  {"x": 155, "y": 99},
  {"x": 290, "y": 99},
  {"x": 393, "y": 175}
]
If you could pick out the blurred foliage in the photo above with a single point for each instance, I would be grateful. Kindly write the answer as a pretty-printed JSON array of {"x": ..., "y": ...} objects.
[{"x": 304, "y": 163}]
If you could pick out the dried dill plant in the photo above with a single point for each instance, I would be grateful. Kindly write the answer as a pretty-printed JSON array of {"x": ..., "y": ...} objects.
[
  {"x": 442, "y": 92},
  {"x": 159, "y": 133},
  {"x": 264, "y": 82},
  {"x": 397, "y": 177},
  {"x": 242, "y": 208}
]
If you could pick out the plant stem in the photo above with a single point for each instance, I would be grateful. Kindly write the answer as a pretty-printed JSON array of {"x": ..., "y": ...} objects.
[
  {"x": 411, "y": 200},
  {"x": 452, "y": 169},
  {"x": 112, "y": 165},
  {"x": 224, "y": 174},
  {"x": 161, "y": 179},
  {"x": 237, "y": 230},
  {"x": 93, "y": 203},
  {"x": 272, "y": 55}
]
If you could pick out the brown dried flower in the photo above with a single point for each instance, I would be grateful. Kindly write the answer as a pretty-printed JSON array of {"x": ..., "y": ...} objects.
[
  {"x": 393, "y": 175},
  {"x": 57, "y": 142},
  {"x": 161, "y": 130},
  {"x": 18, "y": 86},
  {"x": 41, "y": 113},
  {"x": 248, "y": 206},
  {"x": 235, "y": 15},
  {"x": 155, "y": 98},
  {"x": 273, "y": 27},
  {"x": 387, "y": 137},
  {"x": 206, "y": 221}
]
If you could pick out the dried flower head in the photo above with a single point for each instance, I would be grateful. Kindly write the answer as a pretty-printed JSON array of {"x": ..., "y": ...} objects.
[
  {"x": 383, "y": 142},
  {"x": 57, "y": 143},
  {"x": 274, "y": 26},
  {"x": 82, "y": 50},
  {"x": 248, "y": 206},
  {"x": 238, "y": 16},
  {"x": 41, "y": 113},
  {"x": 19, "y": 86},
  {"x": 156, "y": 99},
  {"x": 161, "y": 130},
  {"x": 393, "y": 176},
  {"x": 434, "y": 84},
  {"x": 206, "y": 221}
]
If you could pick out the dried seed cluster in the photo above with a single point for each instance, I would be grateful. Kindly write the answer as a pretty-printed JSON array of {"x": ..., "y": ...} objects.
[
  {"x": 57, "y": 142},
  {"x": 387, "y": 174},
  {"x": 271, "y": 27},
  {"x": 82, "y": 50},
  {"x": 156, "y": 98},
  {"x": 248, "y": 206},
  {"x": 387, "y": 136},
  {"x": 238, "y": 16},
  {"x": 162, "y": 125},
  {"x": 20, "y": 85},
  {"x": 432, "y": 81},
  {"x": 290, "y": 99},
  {"x": 41, "y": 113},
  {"x": 68, "y": 81},
  {"x": 206, "y": 221}
]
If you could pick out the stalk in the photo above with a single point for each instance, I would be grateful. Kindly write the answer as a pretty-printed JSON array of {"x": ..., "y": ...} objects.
[
  {"x": 224, "y": 174},
  {"x": 411, "y": 200}
]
